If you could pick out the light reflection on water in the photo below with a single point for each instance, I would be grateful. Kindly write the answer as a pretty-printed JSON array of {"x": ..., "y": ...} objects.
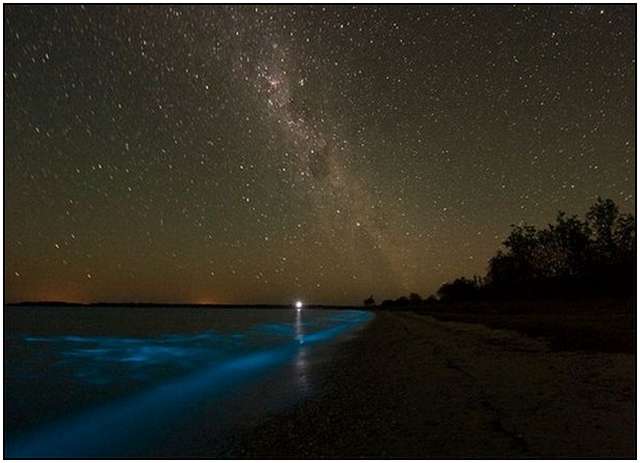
[
  {"x": 301, "y": 355},
  {"x": 178, "y": 371}
]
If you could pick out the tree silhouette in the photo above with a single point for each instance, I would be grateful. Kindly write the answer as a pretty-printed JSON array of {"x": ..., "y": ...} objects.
[
  {"x": 415, "y": 299},
  {"x": 570, "y": 256},
  {"x": 601, "y": 218},
  {"x": 431, "y": 300},
  {"x": 460, "y": 290}
]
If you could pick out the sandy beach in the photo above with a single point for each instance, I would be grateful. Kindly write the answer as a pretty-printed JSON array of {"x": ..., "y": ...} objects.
[{"x": 410, "y": 386}]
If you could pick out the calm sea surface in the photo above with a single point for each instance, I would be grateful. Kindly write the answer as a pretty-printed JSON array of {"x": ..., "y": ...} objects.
[{"x": 145, "y": 382}]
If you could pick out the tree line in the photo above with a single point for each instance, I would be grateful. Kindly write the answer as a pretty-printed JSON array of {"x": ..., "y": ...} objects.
[{"x": 571, "y": 258}]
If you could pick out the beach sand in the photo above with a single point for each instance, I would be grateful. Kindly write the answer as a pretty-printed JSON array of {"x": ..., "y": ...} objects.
[{"x": 410, "y": 386}]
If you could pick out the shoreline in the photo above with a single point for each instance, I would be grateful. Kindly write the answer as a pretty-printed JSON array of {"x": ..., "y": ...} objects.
[
  {"x": 188, "y": 413},
  {"x": 408, "y": 385}
]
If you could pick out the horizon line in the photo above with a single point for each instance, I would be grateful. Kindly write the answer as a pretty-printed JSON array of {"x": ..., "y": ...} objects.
[{"x": 168, "y": 304}]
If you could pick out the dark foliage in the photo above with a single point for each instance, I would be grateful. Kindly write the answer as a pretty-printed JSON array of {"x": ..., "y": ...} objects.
[
  {"x": 571, "y": 258},
  {"x": 402, "y": 302},
  {"x": 460, "y": 290},
  {"x": 431, "y": 300}
]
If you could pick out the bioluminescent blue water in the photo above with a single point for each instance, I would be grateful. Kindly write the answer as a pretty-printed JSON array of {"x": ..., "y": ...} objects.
[{"x": 83, "y": 393}]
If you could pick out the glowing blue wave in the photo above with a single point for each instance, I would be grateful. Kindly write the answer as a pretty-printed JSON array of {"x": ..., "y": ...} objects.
[
  {"x": 128, "y": 426},
  {"x": 104, "y": 360}
]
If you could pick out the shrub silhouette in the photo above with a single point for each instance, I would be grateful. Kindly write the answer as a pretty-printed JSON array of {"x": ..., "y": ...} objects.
[
  {"x": 570, "y": 258},
  {"x": 460, "y": 290},
  {"x": 415, "y": 299},
  {"x": 370, "y": 301},
  {"x": 431, "y": 300}
]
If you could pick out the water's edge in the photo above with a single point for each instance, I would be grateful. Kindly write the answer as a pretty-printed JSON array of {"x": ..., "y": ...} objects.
[{"x": 157, "y": 420}]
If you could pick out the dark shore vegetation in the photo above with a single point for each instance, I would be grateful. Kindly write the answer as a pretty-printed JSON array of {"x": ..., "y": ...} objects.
[{"x": 573, "y": 282}]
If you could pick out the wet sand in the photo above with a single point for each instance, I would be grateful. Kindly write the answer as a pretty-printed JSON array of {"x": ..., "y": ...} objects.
[{"x": 410, "y": 386}]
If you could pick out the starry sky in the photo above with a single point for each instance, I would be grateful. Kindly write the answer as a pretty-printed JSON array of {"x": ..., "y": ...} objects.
[{"x": 260, "y": 154}]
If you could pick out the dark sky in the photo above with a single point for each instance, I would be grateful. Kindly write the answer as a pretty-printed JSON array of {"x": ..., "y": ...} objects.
[{"x": 265, "y": 153}]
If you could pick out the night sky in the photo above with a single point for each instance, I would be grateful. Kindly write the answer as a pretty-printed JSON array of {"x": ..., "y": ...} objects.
[{"x": 261, "y": 154}]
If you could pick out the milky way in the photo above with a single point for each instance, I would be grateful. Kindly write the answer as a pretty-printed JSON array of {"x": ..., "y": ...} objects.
[
  {"x": 270, "y": 153},
  {"x": 320, "y": 168}
]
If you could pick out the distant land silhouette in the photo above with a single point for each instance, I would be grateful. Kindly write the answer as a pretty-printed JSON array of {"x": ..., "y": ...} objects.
[{"x": 172, "y": 305}]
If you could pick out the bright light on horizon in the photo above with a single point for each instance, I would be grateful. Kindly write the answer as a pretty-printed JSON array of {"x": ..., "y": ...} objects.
[{"x": 299, "y": 305}]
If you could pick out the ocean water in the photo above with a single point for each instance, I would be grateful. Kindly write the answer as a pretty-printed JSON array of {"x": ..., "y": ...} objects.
[{"x": 153, "y": 382}]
